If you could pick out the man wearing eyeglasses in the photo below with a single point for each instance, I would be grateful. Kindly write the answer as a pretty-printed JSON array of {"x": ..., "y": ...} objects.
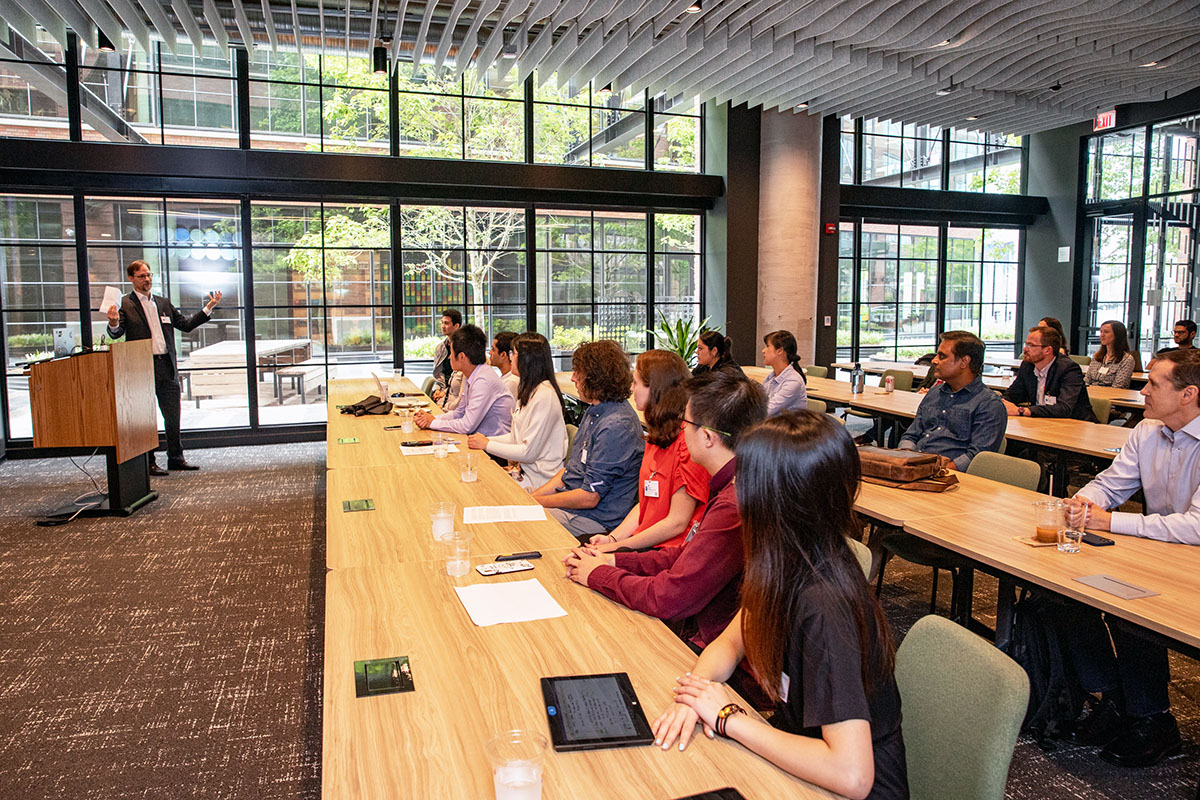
[
  {"x": 1048, "y": 384},
  {"x": 693, "y": 586},
  {"x": 1184, "y": 335},
  {"x": 143, "y": 315}
]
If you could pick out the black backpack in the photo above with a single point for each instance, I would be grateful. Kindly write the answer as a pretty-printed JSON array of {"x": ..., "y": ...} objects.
[
  {"x": 368, "y": 405},
  {"x": 1056, "y": 696}
]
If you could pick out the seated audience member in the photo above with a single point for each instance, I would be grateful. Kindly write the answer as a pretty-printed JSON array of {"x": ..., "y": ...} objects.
[
  {"x": 451, "y": 321},
  {"x": 1052, "y": 322},
  {"x": 1184, "y": 335},
  {"x": 537, "y": 443},
  {"x": 785, "y": 386},
  {"x": 809, "y": 624},
  {"x": 1114, "y": 363},
  {"x": 453, "y": 391},
  {"x": 712, "y": 353},
  {"x": 486, "y": 406},
  {"x": 693, "y": 586},
  {"x": 500, "y": 357},
  {"x": 598, "y": 485},
  {"x": 672, "y": 489},
  {"x": 959, "y": 417},
  {"x": 1051, "y": 383},
  {"x": 1133, "y": 723}
]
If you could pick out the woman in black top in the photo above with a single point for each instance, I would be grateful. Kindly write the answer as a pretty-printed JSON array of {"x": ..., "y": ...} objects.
[
  {"x": 809, "y": 625},
  {"x": 712, "y": 354}
]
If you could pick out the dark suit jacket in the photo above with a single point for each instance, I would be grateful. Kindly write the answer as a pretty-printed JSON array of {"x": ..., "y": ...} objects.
[
  {"x": 134, "y": 325},
  {"x": 1064, "y": 382}
]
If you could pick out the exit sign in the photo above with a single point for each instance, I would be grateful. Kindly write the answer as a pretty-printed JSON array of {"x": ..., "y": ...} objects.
[{"x": 1105, "y": 120}]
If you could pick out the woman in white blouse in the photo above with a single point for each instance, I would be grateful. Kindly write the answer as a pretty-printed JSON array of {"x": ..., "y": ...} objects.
[
  {"x": 785, "y": 386},
  {"x": 537, "y": 442},
  {"x": 1114, "y": 363}
]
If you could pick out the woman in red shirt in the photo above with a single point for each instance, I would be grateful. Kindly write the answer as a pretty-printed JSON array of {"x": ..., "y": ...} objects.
[{"x": 672, "y": 490}]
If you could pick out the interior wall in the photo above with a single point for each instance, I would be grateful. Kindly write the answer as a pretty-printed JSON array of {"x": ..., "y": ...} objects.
[
  {"x": 788, "y": 228},
  {"x": 1053, "y": 173}
]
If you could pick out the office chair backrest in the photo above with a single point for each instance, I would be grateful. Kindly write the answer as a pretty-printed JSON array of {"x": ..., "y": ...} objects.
[{"x": 1019, "y": 472}]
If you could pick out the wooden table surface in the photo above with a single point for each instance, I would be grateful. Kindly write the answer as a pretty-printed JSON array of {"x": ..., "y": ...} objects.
[
  {"x": 1072, "y": 435},
  {"x": 398, "y": 530},
  {"x": 898, "y": 506},
  {"x": 471, "y": 683},
  {"x": 1171, "y": 569},
  {"x": 376, "y": 447}
]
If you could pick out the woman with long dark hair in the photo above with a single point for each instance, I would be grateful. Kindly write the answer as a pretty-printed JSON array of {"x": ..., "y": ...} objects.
[
  {"x": 537, "y": 441},
  {"x": 672, "y": 490},
  {"x": 809, "y": 625},
  {"x": 785, "y": 387},
  {"x": 1114, "y": 363},
  {"x": 713, "y": 353}
]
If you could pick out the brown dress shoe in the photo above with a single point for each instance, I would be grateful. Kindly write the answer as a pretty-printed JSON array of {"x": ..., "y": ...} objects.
[{"x": 156, "y": 470}]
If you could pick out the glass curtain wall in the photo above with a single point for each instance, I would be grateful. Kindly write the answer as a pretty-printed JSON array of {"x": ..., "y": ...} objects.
[
  {"x": 33, "y": 87},
  {"x": 900, "y": 285},
  {"x": 1143, "y": 217}
]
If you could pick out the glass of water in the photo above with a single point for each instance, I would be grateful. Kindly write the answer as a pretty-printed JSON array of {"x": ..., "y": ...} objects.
[
  {"x": 441, "y": 519},
  {"x": 468, "y": 466},
  {"x": 458, "y": 553},
  {"x": 1068, "y": 540},
  {"x": 517, "y": 758},
  {"x": 441, "y": 446}
]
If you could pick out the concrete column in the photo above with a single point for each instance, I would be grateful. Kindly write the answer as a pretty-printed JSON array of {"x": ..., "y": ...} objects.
[{"x": 789, "y": 227}]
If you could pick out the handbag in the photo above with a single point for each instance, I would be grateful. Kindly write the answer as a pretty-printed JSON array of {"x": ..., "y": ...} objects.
[{"x": 368, "y": 405}]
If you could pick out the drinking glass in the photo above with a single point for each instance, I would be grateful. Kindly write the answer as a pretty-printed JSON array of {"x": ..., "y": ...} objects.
[
  {"x": 458, "y": 553},
  {"x": 517, "y": 757},
  {"x": 441, "y": 519},
  {"x": 468, "y": 466},
  {"x": 1050, "y": 517}
]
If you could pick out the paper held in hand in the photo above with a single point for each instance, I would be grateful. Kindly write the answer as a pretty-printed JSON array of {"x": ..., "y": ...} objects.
[{"x": 112, "y": 297}]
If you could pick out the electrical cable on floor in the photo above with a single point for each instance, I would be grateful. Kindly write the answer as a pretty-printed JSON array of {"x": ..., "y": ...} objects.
[{"x": 53, "y": 522}]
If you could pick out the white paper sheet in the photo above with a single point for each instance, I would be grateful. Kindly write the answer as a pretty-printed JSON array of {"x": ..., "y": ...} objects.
[
  {"x": 474, "y": 515},
  {"x": 112, "y": 297},
  {"x": 425, "y": 450},
  {"x": 518, "y": 601}
]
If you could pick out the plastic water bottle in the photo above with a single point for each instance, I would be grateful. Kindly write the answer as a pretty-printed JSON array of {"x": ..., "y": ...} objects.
[{"x": 858, "y": 379}]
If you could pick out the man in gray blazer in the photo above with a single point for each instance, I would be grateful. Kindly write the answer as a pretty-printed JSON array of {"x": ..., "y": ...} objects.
[{"x": 143, "y": 315}]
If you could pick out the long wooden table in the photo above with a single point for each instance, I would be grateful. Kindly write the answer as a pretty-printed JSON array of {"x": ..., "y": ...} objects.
[
  {"x": 1171, "y": 569},
  {"x": 387, "y": 594},
  {"x": 473, "y": 682}
]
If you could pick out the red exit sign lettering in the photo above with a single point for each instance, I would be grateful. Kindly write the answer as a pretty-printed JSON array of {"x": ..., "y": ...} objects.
[{"x": 1105, "y": 120}]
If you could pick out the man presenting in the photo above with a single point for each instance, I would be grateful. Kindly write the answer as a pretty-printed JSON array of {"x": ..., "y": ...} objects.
[
  {"x": 959, "y": 417},
  {"x": 146, "y": 316},
  {"x": 1133, "y": 723},
  {"x": 1051, "y": 383}
]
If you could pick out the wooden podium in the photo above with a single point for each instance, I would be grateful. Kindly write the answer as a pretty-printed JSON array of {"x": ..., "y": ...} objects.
[{"x": 101, "y": 400}]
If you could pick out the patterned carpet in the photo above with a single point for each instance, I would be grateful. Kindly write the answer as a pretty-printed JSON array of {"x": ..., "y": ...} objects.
[
  {"x": 173, "y": 654},
  {"x": 178, "y": 653}
]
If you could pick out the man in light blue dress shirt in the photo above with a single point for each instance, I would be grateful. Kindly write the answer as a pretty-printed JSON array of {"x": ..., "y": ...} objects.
[
  {"x": 486, "y": 406},
  {"x": 1133, "y": 723}
]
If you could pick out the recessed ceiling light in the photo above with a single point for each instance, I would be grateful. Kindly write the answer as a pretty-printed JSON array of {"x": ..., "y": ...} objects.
[
  {"x": 802, "y": 105},
  {"x": 1150, "y": 64},
  {"x": 943, "y": 43},
  {"x": 695, "y": 8},
  {"x": 1057, "y": 87},
  {"x": 945, "y": 90},
  {"x": 972, "y": 118}
]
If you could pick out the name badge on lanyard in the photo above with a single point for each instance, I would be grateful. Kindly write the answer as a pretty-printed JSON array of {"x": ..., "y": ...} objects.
[
  {"x": 583, "y": 456},
  {"x": 650, "y": 488},
  {"x": 164, "y": 319}
]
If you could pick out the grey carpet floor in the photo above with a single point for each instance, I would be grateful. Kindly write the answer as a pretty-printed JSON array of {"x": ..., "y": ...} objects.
[
  {"x": 178, "y": 653},
  {"x": 173, "y": 654}
]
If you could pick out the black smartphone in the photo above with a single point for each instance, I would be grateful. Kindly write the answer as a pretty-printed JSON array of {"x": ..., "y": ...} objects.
[
  {"x": 416, "y": 444},
  {"x": 520, "y": 556},
  {"x": 1096, "y": 540}
]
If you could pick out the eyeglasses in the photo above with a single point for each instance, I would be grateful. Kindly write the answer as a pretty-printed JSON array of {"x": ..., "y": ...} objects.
[{"x": 687, "y": 421}]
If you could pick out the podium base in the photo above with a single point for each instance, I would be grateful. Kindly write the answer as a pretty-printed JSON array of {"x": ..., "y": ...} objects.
[
  {"x": 103, "y": 508},
  {"x": 128, "y": 490}
]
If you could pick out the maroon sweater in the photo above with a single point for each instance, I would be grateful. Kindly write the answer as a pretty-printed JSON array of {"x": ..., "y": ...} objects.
[{"x": 699, "y": 579}]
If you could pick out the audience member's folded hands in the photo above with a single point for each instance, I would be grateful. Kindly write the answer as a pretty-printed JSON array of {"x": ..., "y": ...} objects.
[{"x": 582, "y": 560}]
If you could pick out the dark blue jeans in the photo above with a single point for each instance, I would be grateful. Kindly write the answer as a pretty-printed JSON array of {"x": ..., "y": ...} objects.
[{"x": 1130, "y": 661}]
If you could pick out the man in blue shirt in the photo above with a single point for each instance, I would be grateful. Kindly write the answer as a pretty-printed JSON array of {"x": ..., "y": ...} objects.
[
  {"x": 959, "y": 417},
  {"x": 598, "y": 485}
]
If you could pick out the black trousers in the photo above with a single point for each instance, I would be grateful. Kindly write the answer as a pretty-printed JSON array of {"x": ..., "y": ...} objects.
[
  {"x": 166, "y": 389},
  {"x": 1108, "y": 653}
]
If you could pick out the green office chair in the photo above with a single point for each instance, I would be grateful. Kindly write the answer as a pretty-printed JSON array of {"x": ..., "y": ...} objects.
[
  {"x": 1017, "y": 472},
  {"x": 863, "y": 554},
  {"x": 1102, "y": 408},
  {"x": 817, "y": 372},
  {"x": 427, "y": 386},
  {"x": 1082, "y": 361},
  {"x": 571, "y": 431},
  {"x": 963, "y": 705},
  {"x": 816, "y": 406}
]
